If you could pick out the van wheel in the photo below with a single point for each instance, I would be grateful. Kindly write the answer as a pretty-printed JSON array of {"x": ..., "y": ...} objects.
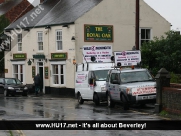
[
  {"x": 110, "y": 102},
  {"x": 25, "y": 94},
  {"x": 126, "y": 106},
  {"x": 80, "y": 100},
  {"x": 96, "y": 99}
]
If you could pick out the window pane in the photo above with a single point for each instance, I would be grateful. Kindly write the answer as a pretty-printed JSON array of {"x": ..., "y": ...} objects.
[
  {"x": 21, "y": 77},
  {"x": 62, "y": 79},
  {"x": 40, "y": 45},
  {"x": 59, "y": 39},
  {"x": 15, "y": 68},
  {"x": 142, "y": 33},
  {"x": 55, "y": 79},
  {"x": 40, "y": 63},
  {"x": 19, "y": 46},
  {"x": 16, "y": 76},
  {"x": 21, "y": 69},
  {"x": 55, "y": 69},
  {"x": 147, "y": 33},
  {"x": 61, "y": 66},
  {"x": 59, "y": 45},
  {"x": 142, "y": 41}
]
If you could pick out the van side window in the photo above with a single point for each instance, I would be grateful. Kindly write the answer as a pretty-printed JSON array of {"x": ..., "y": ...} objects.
[
  {"x": 91, "y": 75},
  {"x": 107, "y": 79},
  {"x": 112, "y": 77}
]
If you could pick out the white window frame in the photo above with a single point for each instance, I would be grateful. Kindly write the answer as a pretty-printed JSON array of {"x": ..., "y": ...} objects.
[
  {"x": 145, "y": 38},
  {"x": 24, "y": 74},
  {"x": 40, "y": 41},
  {"x": 19, "y": 41},
  {"x": 58, "y": 39},
  {"x": 64, "y": 70}
]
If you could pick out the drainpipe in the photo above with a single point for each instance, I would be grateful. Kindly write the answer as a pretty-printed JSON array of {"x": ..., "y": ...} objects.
[{"x": 137, "y": 24}]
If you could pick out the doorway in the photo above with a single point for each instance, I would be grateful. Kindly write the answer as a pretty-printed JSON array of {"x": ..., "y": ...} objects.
[{"x": 40, "y": 70}]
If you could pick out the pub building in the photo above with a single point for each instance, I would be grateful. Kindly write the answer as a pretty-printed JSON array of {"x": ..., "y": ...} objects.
[{"x": 49, "y": 39}]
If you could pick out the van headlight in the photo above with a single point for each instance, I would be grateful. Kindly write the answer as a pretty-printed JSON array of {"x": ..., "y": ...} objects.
[
  {"x": 10, "y": 88},
  {"x": 103, "y": 88},
  {"x": 25, "y": 88},
  {"x": 128, "y": 90}
]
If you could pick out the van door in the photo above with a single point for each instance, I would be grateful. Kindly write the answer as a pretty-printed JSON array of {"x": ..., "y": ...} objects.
[
  {"x": 114, "y": 88},
  {"x": 81, "y": 83},
  {"x": 89, "y": 90}
]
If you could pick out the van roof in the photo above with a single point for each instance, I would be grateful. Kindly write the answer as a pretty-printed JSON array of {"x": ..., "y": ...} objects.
[{"x": 94, "y": 66}]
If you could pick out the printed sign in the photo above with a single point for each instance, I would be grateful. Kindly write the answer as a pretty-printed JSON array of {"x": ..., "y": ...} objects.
[
  {"x": 5, "y": 42},
  {"x": 46, "y": 72},
  {"x": 98, "y": 33},
  {"x": 58, "y": 55},
  {"x": 5, "y": 70},
  {"x": 81, "y": 77},
  {"x": 19, "y": 56},
  {"x": 143, "y": 90},
  {"x": 127, "y": 58},
  {"x": 101, "y": 53}
]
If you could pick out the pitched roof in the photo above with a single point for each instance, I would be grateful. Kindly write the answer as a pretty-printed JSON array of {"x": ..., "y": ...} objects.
[
  {"x": 67, "y": 11},
  {"x": 56, "y": 12},
  {"x": 5, "y": 7}
]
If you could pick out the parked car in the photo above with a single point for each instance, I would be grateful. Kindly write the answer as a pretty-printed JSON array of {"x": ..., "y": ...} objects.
[
  {"x": 130, "y": 86},
  {"x": 13, "y": 86}
]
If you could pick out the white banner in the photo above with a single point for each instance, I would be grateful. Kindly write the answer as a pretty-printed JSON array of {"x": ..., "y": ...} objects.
[
  {"x": 101, "y": 53},
  {"x": 143, "y": 90},
  {"x": 127, "y": 58}
]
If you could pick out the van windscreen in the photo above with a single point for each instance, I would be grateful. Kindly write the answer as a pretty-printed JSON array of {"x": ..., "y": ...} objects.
[{"x": 100, "y": 75}]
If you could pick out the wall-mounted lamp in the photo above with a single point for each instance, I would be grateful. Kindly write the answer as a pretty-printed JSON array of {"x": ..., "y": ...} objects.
[
  {"x": 46, "y": 60},
  {"x": 29, "y": 62},
  {"x": 26, "y": 29},
  {"x": 32, "y": 60},
  {"x": 73, "y": 38},
  {"x": 47, "y": 27},
  {"x": 74, "y": 61},
  {"x": 66, "y": 26}
]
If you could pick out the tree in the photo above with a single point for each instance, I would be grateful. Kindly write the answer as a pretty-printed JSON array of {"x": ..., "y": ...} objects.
[
  {"x": 164, "y": 52},
  {"x": 4, "y": 22}
]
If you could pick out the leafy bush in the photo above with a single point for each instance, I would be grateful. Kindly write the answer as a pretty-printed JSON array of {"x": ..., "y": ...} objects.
[
  {"x": 175, "y": 78},
  {"x": 164, "y": 52}
]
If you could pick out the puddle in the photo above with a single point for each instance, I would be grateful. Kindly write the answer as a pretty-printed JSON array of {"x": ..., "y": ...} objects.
[{"x": 2, "y": 112}]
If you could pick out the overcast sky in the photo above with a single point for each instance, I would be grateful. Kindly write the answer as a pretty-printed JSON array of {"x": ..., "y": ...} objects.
[{"x": 169, "y": 9}]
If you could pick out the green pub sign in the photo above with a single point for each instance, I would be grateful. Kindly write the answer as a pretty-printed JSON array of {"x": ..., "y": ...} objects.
[
  {"x": 59, "y": 56},
  {"x": 19, "y": 56},
  {"x": 46, "y": 72},
  {"x": 98, "y": 33},
  {"x": 33, "y": 71}
]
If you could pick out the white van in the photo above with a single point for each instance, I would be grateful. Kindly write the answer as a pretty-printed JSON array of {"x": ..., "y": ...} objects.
[{"x": 90, "y": 82}]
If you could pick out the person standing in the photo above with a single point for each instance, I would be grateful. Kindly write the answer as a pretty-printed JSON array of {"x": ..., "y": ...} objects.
[{"x": 37, "y": 82}]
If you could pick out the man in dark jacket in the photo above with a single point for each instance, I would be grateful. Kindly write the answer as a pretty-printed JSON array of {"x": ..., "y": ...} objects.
[{"x": 37, "y": 82}]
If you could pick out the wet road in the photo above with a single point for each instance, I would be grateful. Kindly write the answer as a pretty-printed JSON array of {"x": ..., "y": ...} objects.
[
  {"x": 67, "y": 109},
  {"x": 45, "y": 108}
]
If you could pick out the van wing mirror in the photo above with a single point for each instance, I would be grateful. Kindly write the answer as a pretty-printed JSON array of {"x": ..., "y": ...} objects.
[{"x": 91, "y": 80}]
